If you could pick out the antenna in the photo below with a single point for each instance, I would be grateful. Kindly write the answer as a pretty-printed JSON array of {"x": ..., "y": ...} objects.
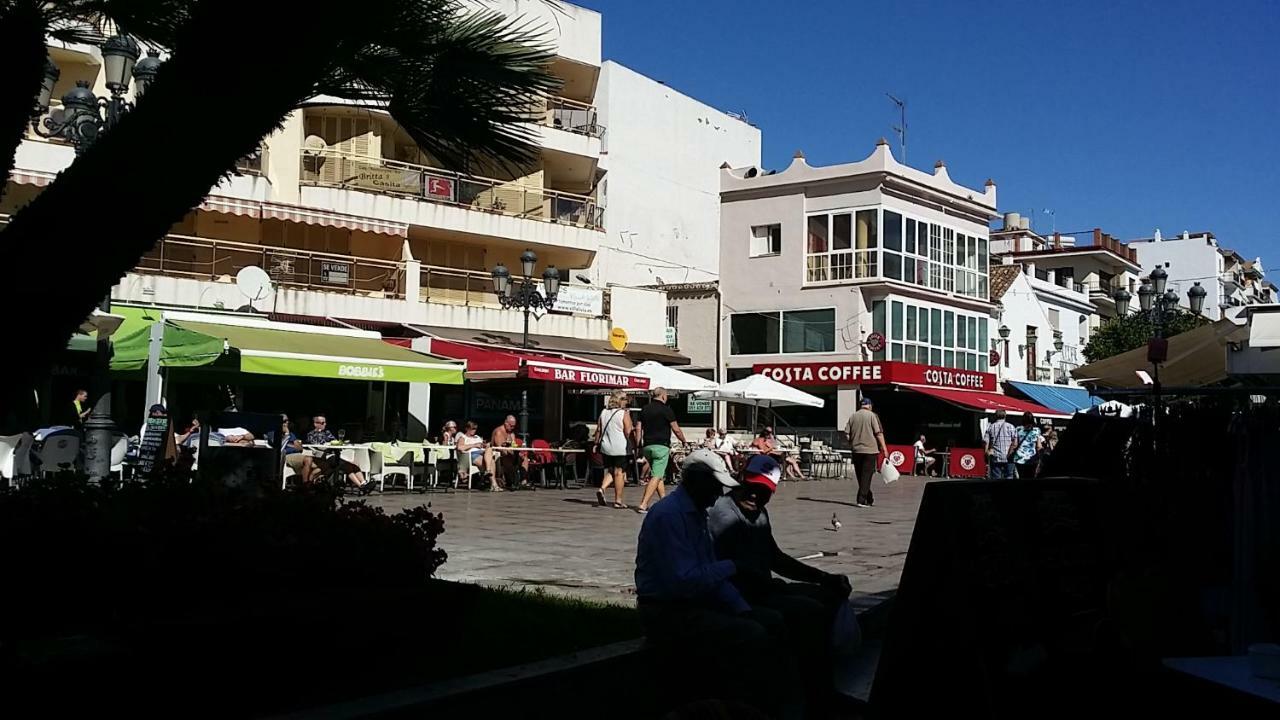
[
  {"x": 901, "y": 129},
  {"x": 254, "y": 283},
  {"x": 1052, "y": 216}
]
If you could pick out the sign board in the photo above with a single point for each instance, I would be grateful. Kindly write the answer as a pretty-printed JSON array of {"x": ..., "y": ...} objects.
[
  {"x": 993, "y": 358},
  {"x": 441, "y": 188},
  {"x": 875, "y": 342},
  {"x": 850, "y": 372},
  {"x": 618, "y": 339},
  {"x": 698, "y": 406},
  {"x": 671, "y": 337},
  {"x": 579, "y": 300},
  {"x": 592, "y": 377},
  {"x": 386, "y": 179},
  {"x": 335, "y": 273},
  {"x": 155, "y": 444}
]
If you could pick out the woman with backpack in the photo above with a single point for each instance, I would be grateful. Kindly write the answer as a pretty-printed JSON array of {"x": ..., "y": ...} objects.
[{"x": 612, "y": 430}]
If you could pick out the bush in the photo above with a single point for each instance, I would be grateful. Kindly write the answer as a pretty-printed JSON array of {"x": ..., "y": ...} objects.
[{"x": 83, "y": 557}]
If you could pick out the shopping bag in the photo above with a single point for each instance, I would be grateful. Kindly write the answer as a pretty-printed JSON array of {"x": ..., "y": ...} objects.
[{"x": 888, "y": 473}]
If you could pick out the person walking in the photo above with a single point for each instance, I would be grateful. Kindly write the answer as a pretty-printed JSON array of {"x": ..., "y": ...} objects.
[
  {"x": 866, "y": 438},
  {"x": 1026, "y": 455},
  {"x": 999, "y": 442},
  {"x": 1049, "y": 444},
  {"x": 657, "y": 425},
  {"x": 612, "y": 430}
]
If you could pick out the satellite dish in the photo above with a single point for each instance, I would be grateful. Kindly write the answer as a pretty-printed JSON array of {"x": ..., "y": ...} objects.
[
  {"x": 314, "y": 145},
  {"x": 254, "y": 283}
]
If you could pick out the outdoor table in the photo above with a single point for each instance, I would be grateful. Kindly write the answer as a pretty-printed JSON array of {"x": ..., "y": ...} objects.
[
  {"x": 361, "y": 455},
  {"x": 944, "y": 463}
]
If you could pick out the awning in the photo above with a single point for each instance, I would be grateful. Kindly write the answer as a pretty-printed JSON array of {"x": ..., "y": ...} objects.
[
  {"x": 761, "y": 391},
  {"x": 181, "y": 348},
  {"x": 492, "y": 363},
  {"x": 293, "y": 213},
  {"x": 985, "y": 401},
  {"x": 1195, "y": 358},
  {"x": 1057, "y": 397},
  {"x": 232, "y": 206},
  {"x": 37, "y": 178},
  {"x": 324, "y": 353},
  {"x": 598, "y": 350}
]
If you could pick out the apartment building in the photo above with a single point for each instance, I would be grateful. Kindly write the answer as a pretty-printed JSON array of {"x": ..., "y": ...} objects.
[
  {"x": 1229, "y": 279},
  {"x": 864, "y": 278}
]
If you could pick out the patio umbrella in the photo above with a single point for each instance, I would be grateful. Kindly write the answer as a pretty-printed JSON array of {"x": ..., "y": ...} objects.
[
  {"x": 673, "y": 380},
  {"x": 761, "y": 391}
]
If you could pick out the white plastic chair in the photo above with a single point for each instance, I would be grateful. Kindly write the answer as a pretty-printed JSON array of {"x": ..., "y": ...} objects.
[
  {"x": 399, "y": 469},
  {"x": 59, "y": 453},
  {"x": 15, "y": 456},
  {"x": 118, "y": 453}
]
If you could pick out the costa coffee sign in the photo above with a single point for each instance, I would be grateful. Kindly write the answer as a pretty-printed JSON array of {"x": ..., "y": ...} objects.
[
  {"x": 585, "y": 376},
  {"x": 848, "y": 372}
]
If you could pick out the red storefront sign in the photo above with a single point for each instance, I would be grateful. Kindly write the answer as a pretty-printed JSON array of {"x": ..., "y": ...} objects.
[
  {"x": 967, "y": 463},
  {"x": 902, "y": 457},
  {"x": 849, "y": 372},
  {"x": 584, "y": 376}
]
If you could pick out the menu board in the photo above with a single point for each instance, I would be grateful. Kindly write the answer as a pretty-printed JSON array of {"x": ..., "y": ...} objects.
[
  {"x": 1002, "y": 602},
  {"x": 156, "y": 439}
]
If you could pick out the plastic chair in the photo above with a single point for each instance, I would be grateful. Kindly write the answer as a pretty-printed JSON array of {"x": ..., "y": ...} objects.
[
  {"x": 542, "y": 459},
  {"x": 404, "y": 466},
  {"x": 59, "y": 453},
  {"x": 119, "y": 450},
  {"x": 15, "y": 456}
]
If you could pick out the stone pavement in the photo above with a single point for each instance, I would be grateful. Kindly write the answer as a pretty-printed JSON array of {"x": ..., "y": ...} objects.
[{"x": 559, "y": 540}]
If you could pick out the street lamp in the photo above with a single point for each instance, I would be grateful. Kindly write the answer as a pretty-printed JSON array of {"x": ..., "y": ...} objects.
[
  {"x": 1196, "y": 296},
  {"x": 84, "y": 116},
  {"x": 1122, "y": 298},
  {"x": 523, "y": 294}
]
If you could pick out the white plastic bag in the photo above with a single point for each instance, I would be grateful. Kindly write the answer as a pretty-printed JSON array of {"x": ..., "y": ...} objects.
[{"x": 888, "y": 473}]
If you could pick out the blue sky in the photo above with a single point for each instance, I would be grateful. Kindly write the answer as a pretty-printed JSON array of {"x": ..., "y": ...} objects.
[{"x": 1122, "y": 115}]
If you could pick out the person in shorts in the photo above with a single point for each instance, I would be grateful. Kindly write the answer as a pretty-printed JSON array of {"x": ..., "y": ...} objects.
[
  {"x": 612, "y": 430},
  {"x": 657, "y": 425}
]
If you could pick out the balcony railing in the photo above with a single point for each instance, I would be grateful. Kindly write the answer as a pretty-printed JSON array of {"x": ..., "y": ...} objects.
[
  {"x": 1100, "y": 287},
  {"x": 330, "y": 168},
  {"x": 1043, "y": 374},
  {"x": 572, "y": 116},
  {"x": 208, "y": 259}
]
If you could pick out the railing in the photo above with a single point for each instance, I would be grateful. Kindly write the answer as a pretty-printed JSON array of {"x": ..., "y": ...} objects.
[
  {"x": 472, "y": 288},
  {"x": 572, "y": 116},
  {"x": 1043, "y": 374},
  {"x": 1070, "y": 355},
  {"x": 1234, "y": 278},
  {"x": 208, "y": 259},
  {"x": 1100, "y": 287},
  {"x": 330, "y": 168},
  {"x": 250, "y": 164}
]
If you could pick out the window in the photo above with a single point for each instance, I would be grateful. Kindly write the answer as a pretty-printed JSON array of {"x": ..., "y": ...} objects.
[
  {"x": 673, "y": 325},
  {"x": 792, "y": 331},
  {"x": 809, "y": 331},
  {"x": 896, "y": 325},
  {"x": 766, "y": 240},
  {"x": 878, "y": 325},
  {"x": 868, "y": 239},
  {"x": 754, "y": 333}
]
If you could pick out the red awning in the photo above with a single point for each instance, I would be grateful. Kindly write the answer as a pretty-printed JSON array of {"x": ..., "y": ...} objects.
[
  {"x": 986, "y": 401},
  {"x": 491, "y": 363}
]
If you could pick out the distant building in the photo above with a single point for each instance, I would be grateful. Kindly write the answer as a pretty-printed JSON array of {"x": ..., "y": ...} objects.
[
  {"x": 1038, "y": 316},
  {"x": 1190, "y": 258}
]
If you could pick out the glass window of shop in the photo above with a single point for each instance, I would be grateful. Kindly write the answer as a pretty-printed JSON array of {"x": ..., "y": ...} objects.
[
  {"x": 788, "y": 331},
  {"x": 930, "y": 336}
]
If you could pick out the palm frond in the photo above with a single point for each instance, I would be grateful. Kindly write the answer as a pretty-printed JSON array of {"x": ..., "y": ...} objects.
[
  {"x": 464, "y": 87},
  {"x": 152, "y": 22}
]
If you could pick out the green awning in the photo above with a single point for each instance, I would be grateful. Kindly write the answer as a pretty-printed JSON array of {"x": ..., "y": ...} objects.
[
  {"x": 273, "y": 351},
  {"x": 181, "y": 348}
]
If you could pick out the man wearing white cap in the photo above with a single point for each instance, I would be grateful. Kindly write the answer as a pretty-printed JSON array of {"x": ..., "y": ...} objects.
[{"x": 687, "y": 602}]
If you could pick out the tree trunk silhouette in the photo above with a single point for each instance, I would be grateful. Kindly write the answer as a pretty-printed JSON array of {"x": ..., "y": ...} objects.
[{"x": 22, "y": 54}]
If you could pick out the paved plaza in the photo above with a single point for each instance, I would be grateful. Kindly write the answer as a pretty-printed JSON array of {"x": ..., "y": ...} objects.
[{"x": 559, "y": 540}]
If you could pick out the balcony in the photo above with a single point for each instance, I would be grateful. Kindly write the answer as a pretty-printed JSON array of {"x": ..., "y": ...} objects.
[
  {"x": 572, "y": 116},
  {"x": 1235, "y": 278},
  {"x": 330, "y": 168},
  {"x": 1041, "y": 374},
  {"x": 1100, "y": 288}
]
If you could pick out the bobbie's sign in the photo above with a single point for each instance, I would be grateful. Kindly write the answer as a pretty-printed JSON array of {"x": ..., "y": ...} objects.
[
  {"x": 848, "y": 372},
  {"x": 585, "y": 376}
]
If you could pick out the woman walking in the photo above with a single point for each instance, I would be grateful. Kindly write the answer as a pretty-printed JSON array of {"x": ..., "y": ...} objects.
[
  {"x": 1028, "y": 442},
  {"x": 612, "y": 430}
]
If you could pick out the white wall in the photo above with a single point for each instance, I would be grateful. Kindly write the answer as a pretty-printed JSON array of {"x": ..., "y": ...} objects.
[
  {"x": 662, "y": 190},
  {"x": 641, "y": 312},
  {"x": 1189, "y": 260},
  {"x": 1024, "y": 306},
  {"x": 573, "y": 31}
]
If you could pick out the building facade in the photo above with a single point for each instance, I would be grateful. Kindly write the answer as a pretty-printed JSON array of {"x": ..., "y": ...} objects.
[
  {"x": 1047, "y": 327},
  {"x": 865, "y": 261},
  {"x": 662, "y": 151},
  {"x": 1229, "y": 280}
]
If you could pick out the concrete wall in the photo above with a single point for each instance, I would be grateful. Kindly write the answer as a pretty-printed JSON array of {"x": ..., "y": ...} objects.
[
  {"x": 699, "y": 327},
  {"x": 1188, "y": 260},
  {"x": 662, "y": 190},
  {"x": 573, "y": 31},
  {"x": 641, "y": 312}
]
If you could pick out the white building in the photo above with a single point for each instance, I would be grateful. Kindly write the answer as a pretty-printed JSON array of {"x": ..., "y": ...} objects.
[
  {"x": 1229, "y": 280},
  {"x": 1047, "y": 326},
  {"x": 662, "y": 152}
]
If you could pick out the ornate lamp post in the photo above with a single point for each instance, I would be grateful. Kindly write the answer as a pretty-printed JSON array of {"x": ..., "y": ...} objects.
[
  {"x": 84, "y": 116},
  {"x": 523, "y": 294}
]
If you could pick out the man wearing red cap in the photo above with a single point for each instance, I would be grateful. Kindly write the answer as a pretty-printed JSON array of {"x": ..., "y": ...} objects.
[{"x": 740, "y": 528}]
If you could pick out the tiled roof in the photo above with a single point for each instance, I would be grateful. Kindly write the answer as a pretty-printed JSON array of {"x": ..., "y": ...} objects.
[{"x": 1002, "y": 277}]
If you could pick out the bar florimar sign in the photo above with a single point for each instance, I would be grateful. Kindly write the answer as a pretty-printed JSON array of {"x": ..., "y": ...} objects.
[{"x": 848, "y": 372}]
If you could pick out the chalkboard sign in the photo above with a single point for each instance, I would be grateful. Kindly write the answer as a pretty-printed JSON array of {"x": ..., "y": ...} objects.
[
  {"x": 155, "y": 447},
  {"x": 1002, "y": 607}
]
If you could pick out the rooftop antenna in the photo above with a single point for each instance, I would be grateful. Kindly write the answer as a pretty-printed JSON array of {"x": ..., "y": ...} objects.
[
  {"x": 901, "y": 129},
  {"x": 254, "y": 283},
  {"x": 1053, "y": 216}
]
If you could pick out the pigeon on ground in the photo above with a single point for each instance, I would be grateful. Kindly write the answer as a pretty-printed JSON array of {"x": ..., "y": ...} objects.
[{"x": 835, "y": 522}]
